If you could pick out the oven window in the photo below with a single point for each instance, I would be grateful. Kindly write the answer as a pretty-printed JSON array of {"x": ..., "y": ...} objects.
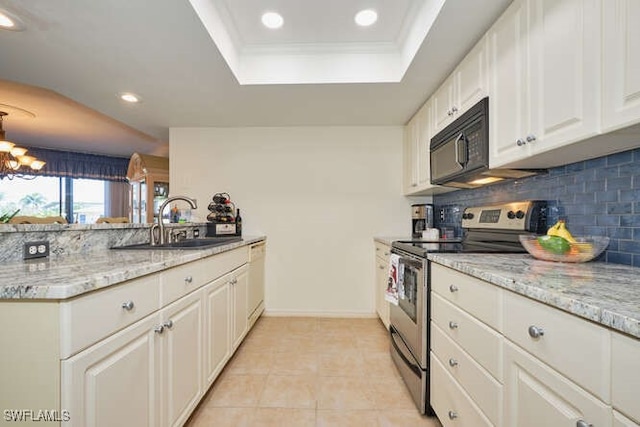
[{"x": 408, "y": 295}]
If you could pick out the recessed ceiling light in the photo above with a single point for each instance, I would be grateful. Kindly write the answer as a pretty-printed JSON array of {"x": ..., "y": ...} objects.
[
  {"x": 272, "y": 20},
  {"x": 366, "y": 17},
  {"x": 130, "y": 97},
  {"x": 10, "y": 22}
]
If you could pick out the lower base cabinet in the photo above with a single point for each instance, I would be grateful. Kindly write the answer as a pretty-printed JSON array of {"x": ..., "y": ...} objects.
[{"x": 381, "y": 275}]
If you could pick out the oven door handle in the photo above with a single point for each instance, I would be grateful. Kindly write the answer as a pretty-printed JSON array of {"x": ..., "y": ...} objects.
[
  {"x": 413, "y": 366},
  {"x": 461, "y": 150}
]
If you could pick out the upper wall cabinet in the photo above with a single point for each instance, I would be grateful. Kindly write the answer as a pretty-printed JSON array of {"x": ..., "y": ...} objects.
[
  {"x": 621, "y": 64},
  {"x": 464, "y": 87},
  {"x": 545, "y": 78}
]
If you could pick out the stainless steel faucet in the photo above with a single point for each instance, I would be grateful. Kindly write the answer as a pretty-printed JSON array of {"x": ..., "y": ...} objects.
[{"x": 192, "y": 202}]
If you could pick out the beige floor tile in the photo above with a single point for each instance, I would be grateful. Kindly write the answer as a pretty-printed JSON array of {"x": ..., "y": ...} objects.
[
  {"x": 372, "y": 343},
  {"x": 223, "y": 417},
  {"x": 344, "y": 393},
  {"x": 327, "y": 418},
  {"x": 236, "y": 391},
  {"x": 284, "y": 417},
  {"x": 306, "y": 325},
  {"x": 337, "y": 343},
  {"x": 406, "y": 418},
  {"x": 295, "y": 363},
  {"x": 289, "y": 391},
  {"x": 390, "y": 393},
  {"x": 349, "y": 363},
  {"x": 298, "y": 341},
  {"x": 380, "y": 364},
  {"x": 248, "y": 362}
]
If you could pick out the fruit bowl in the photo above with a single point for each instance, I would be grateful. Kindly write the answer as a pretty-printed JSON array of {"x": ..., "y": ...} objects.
[{"x": 584, "y": 249}]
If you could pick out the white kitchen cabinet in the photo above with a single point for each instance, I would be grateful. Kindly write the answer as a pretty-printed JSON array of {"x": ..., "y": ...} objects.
[
  {"x": 463, "y": 88},
  {"x": 117, "y": 379},
  {"x": 257, "y": 254},
  {"x": 625, "y": 375},
  {"x": 217, "y": 296},
  {"x": 536, "y": 395},
  {"x": 621, "y": 64},
  {"x": 545, "y": 79},
  {"x": 620, "y": 420},
  {"x": 410, "y": 156},
  {"x": 182, "y": 374},
  {"x": 382, "y": 253},
  {"x": 239, "y": 294}
]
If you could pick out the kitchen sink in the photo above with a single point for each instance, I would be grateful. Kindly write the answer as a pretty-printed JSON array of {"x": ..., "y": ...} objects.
[{"x": 202, "y": 243}]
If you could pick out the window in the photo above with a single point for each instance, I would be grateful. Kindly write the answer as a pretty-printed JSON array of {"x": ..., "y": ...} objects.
[{"x": 79, "y": 200}]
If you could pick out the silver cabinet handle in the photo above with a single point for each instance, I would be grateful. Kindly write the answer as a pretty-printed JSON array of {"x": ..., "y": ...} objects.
[
  {"x": 453, "y": 288},
  {"x": 453, "y": 325},
  {"x": 454, "y": 109},
  {"x": 168, "y": 324},
  {"x": 381, "y": 267},
  {"x": 531, "y": 138},
  {"x": 234, "y": 281},
  {"x": 128, "y": 305},
  {"x": 453, "y": 362},
  {"x": 188, "y": 279},
  {"x": 520, "y": 142},
  {"x": 449, "y": 113},
  {"x": 386, "y": 253},
  {"x": 453, "y": 415},
  {"x": 159, "y": 329},
  {"x": 535, "y": 331},
  {"x": 582, "y": 423}
]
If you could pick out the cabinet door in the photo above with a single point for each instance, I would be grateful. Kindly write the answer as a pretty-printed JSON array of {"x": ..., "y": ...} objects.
[
  {"x": 509, "y": 85},
  {"x": 471, "y": 78},
  {"x": 240, "y": 286},
  {"x": 410, "y": 153},
  {"x": 565, "y": 72},
  {"x": 217, "y": 328},
  {"x": 382, "y": 305},
  {"x": 256, "y": 279},
  {"x": 620, "y": 420},
  {"x": 182, "y": 358},
  {"x": 423, "y": 142},
  {"x": 536, "y": 395},
  {"x": 443, "y": 108},
  {"x": 115, "y": 379},
  {"x": 621, "y": 64}
]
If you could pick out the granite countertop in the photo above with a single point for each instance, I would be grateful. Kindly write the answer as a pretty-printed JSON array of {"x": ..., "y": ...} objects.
[
  {"x": 388, "y": 240},
  {"x": 608, "y": 294},
  {"x": 67, "y": 276}
]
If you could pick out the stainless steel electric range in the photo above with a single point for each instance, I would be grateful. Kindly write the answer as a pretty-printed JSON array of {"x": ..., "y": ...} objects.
[{"x": 485, "y": 229}]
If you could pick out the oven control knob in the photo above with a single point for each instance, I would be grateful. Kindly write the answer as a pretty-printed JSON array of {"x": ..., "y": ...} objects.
[
  {"x": 519, "y": 214},
  {"x": 467, "y": 215},
  {"x": 511, "y": 215}
]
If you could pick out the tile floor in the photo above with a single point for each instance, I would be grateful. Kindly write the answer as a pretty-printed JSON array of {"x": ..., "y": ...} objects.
[{"x": 312, "y": 372}]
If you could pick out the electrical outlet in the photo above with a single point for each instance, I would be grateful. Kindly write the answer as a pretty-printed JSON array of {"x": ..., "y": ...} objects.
[
  {"x": 196, "y": 233},
  {"x": 38, "y": 249}
]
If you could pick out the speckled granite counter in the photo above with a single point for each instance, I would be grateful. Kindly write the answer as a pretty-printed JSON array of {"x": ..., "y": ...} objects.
[
  {"x": 388, "y": 240},
  {"x": 608, "y": 294},
  {"x": 66, "y": 276}
]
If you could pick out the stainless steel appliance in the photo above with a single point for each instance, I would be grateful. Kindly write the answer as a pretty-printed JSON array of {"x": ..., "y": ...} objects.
[
  {"x": 486, "y": 229},
  {"x": 459, "y": 153},
  {"x": 421, "y": 219}
]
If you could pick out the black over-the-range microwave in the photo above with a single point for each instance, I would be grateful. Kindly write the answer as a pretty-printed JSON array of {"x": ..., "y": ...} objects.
[{"x": 459, "y": 154}]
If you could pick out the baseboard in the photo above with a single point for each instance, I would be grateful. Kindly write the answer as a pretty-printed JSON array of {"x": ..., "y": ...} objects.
[{"x": 335, "y": 314}]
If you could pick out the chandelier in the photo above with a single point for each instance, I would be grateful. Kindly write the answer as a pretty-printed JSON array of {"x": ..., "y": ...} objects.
[{"x": 13, "y": 160}]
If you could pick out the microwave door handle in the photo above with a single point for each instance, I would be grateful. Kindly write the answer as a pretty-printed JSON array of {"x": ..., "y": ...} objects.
[{"x": 461, "y": 150}]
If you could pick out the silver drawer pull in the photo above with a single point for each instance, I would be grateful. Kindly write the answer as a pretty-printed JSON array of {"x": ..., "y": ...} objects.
[
  {"x": 453, "y": 288},
  {"x": 128, "y": 305},
  {"x": 582, "y": 423},
  {"x": 453, "y": 362},
  {"x": 453, "y": 325},
  {"x": 188, "y": 279},
  {"x": 453, "y": 415},
  {"x": 535, "y": 331},
  {"x": 159, "y": 329},
  {"x": 381, "y": 267},
  {"x": 168, "y": 324},
  {"x": 234, "y": 281}
]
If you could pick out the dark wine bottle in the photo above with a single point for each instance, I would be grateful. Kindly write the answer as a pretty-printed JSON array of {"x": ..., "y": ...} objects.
[{"x": 238, "y": 223}]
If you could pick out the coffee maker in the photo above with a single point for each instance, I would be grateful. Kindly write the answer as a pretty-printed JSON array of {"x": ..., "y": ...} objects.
[{"x": 421, "y": 219}]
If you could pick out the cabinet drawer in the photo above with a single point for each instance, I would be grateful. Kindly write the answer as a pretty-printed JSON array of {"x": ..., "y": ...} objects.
[
  {"x": 93, "y": 316},
  {"x": 481, "y": 299},
  {"x": 485, "y": 391},
  {"x": 625, "y": 381},
  {"x": 181, "y": 280},
  {"x": 620, "y": 420},
  {"x": 451, "y": 404},
  {"x": 383, "y": 251},
  {"x": 482, "y": 343},
  {"x": 573, "y": 346}
]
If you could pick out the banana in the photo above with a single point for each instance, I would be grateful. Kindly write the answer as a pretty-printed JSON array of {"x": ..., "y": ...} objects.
[
  {"x": 553, "y": 230},
  {"x": 564, "y": 233}
]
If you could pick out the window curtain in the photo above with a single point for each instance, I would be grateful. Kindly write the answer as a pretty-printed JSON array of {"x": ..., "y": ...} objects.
[
  {"x": 81, "y": 165},
  {"x": 116, "y": 203}
]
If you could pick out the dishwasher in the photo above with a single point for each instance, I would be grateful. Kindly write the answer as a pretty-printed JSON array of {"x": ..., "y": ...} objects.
[{"x": 255, "y": 299}]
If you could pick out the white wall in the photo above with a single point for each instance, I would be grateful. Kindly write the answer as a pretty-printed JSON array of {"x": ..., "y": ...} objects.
[{"x": 319, "y": 194}]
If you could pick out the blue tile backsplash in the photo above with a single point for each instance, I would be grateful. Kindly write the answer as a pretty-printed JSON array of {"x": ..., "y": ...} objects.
[{"x": 598, "y": 197}]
